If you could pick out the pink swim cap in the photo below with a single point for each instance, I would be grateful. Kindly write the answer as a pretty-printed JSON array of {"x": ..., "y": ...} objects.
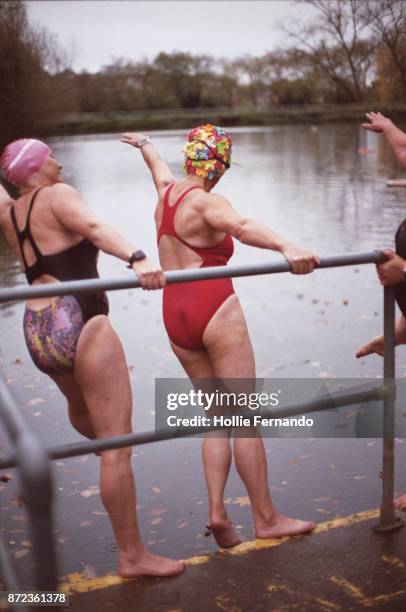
[{"x": 23, "y": 157}]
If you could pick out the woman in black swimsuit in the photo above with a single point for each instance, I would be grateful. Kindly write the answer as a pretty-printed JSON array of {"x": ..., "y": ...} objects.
[{"x": 57, "y": 238}]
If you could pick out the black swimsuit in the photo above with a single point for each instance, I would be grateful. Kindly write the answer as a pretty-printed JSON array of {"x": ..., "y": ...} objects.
[
  {"x": 52, "y": 333},
  {"x": 78, "y": 262}
]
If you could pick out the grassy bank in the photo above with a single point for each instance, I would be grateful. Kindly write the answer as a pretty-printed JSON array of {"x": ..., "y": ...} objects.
[{"x": 93, "y": 123}]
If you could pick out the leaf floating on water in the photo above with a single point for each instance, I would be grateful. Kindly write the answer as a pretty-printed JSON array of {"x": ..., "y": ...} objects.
[
  {"x": 156, "y": 521},
  {"x": 92, "y": 491},
  {"x": 158, "y": 511},
  {"x": 20, "y": 518},
  {"x": 21, "y": 553},
  {"x": 156, "y": 489}
]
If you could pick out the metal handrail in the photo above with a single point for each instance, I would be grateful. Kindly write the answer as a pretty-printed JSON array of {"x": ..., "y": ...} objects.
[
  {"x": 33, "y": 459},
  {"x": 181, "y": 276},
  {"x": 76, "y": 449}
]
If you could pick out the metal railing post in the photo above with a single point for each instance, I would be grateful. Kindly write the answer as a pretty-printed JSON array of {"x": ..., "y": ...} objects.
[
  {"x": 35, "y": 482},
  {"x": 388, "y": 519}
]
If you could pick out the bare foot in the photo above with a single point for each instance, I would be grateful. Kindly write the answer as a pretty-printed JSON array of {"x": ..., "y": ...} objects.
[
  {"x": 373, "y": 346},
  {"x": 400, "y": 502},
  {"x": 147, "y": 564},
  {"x": 282, "y": 526},
  {"x": 223, "y": 532}
]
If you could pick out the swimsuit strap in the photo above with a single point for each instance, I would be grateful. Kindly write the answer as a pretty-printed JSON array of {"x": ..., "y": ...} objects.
[
  {"x": 25, "y": 233},
  {"x": 167, "y": 226},
  {"x": 171, "y": 210}
]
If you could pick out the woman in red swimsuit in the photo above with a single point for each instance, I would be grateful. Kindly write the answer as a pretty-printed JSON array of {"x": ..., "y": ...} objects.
[{"x": 204, "y": 319}]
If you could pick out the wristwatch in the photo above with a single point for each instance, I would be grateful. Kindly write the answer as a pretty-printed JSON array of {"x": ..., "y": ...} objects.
[
  {"x": 143, "y": 142},
  {"x": 136, "y": 256}
]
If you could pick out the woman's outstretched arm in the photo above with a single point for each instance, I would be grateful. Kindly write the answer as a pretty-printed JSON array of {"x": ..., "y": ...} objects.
[
  {"x": 161, "y": 175},
  {"x": 380, "y": 124},
  {"x": 221, "y": 216}
]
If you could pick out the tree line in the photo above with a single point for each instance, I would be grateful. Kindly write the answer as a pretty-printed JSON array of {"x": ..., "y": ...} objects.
[{"x": 351, "y": 51}]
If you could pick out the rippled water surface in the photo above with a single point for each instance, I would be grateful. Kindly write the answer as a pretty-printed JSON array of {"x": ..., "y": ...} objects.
[{"x": 323, "y": 187}]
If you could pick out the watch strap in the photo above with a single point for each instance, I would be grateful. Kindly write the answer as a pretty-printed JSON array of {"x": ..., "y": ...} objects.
[{"x": 136, "y": 256}]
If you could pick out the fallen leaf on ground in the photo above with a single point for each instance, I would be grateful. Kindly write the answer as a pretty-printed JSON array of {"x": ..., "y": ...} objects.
[
  {"x": 241, "y": 501},
  {"x": 158, "y": 511},
  {"x": 34, "y": 401},
  {"x": 92, "y": 491}
]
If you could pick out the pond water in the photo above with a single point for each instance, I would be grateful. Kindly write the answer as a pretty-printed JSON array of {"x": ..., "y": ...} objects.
[{"x": 321, "y": 186}]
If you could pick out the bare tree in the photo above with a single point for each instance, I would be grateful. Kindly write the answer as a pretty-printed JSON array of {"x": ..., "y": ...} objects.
[
  {"x": 387, "y": 20},
  {"x": 339, "y": 43}
]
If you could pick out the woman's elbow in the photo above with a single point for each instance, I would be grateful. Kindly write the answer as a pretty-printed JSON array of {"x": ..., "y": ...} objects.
[
  {"x": 241, "y": 230},
  {"x": 93, "y": 231}
]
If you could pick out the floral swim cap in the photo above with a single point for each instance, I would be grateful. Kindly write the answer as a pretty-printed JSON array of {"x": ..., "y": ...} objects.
[{"x": 208, "y": 152}]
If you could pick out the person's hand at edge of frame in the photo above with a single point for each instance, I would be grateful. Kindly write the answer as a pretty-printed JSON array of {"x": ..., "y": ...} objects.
[
  {"x": 391, "y": 272},
  {"x": 377, "y": 122}
]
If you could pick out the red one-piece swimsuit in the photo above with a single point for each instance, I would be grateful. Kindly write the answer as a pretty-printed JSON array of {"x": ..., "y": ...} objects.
[{"x": 188, "y": 307}]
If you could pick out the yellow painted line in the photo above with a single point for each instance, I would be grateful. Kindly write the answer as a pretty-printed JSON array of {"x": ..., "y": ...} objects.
[
  {"x": 356, "y": 593},
  {"x": 78, "y": 583},
  {"x": 394, "y": 561}
]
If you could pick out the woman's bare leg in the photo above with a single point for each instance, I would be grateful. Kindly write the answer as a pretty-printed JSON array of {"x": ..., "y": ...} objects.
[
  {"x": 77, "y": 410},
  {"x": 216, "y": 452},
  {"x": 229, "y": 348},
  {"x": 101, "y": 373}
]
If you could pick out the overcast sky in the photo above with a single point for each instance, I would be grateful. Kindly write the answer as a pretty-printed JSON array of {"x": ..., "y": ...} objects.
[{"x": 101, "y": 30}]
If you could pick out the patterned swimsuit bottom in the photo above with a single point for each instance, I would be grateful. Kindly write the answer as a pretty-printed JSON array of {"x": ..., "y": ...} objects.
[{"x": 52, "y": 334}]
